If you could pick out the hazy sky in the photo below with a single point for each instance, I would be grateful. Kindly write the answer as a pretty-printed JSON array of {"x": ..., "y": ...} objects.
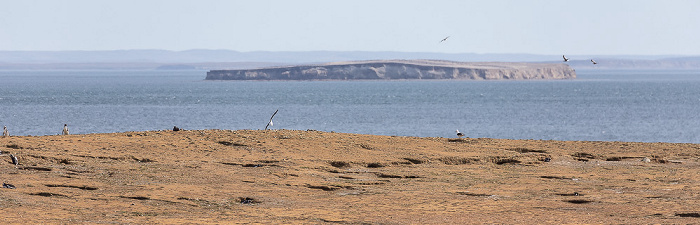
[{"x": 601, "y": 27}]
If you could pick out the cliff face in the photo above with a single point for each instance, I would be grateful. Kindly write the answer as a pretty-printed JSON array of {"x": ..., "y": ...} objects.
[{"x": 401, "y": 69}]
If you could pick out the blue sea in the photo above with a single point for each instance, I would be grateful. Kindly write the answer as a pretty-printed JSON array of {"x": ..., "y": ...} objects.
[{"x": 600, "y": 105}]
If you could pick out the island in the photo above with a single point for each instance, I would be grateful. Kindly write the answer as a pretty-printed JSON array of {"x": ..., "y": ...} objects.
[{"x": 402, "y": 69}]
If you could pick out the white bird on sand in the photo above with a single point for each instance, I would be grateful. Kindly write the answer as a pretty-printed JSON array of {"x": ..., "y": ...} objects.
[
  {"x": 593, "y": 61},
  {"x": 14, "y": 159},
  {"x": 65, "y": 129},
  {"x": 565, "y": 59},
  {"x": 269, "y": 124},
  {"x": 5, "y": 133},
  {"x": 444, "y": 39},
  {"x": 460, "y": 134}
]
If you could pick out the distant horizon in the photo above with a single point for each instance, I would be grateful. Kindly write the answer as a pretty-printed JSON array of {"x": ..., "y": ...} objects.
[
  {"x": 367, "y": 51},
  {"x": 231, "y": 59}
]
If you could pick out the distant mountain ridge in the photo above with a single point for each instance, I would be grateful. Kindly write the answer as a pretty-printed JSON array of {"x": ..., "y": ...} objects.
[{"x": 228, "y": 59}]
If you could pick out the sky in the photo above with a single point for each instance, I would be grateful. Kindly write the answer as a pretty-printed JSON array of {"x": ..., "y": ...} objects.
[{"x": 593, "y": 27}]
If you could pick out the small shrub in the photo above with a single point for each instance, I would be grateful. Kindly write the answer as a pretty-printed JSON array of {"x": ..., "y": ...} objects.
[{"x": 340, "y": 164}]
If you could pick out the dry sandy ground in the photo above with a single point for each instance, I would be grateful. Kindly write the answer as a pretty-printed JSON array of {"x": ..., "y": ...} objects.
[{"x": 310, "y": 177}]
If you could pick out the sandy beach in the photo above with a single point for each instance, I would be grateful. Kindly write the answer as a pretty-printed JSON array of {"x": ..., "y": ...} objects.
[{"x": 312, "y": 177}]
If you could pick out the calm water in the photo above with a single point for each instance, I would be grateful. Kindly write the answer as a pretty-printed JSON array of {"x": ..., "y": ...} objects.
[{"x": 602, "y": 105}]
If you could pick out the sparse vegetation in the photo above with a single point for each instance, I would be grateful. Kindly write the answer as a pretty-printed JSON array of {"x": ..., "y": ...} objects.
[
  {"x": 340, "y": 164},
  {"x": 13, "y": 146},
  {"x": 374, "y": 165},
  {"x": 526, "y": 150}
]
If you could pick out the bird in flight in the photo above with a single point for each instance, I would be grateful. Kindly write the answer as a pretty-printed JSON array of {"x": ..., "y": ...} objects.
[
  {"x": 594, "y": 62},
  {"x": 444, "y": 39},
  {"x": 269, "y": 124},
  {"x": 565, "y": 59}
]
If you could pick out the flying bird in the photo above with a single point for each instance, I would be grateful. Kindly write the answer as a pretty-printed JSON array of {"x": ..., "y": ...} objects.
[
  {"x": 460, "y": 134},
  {"x": 565, "y": 59},
  {"x": 593, "y": 61},
  {"x": 444, "y": 39},
  {"x": 269, "y": 124}
]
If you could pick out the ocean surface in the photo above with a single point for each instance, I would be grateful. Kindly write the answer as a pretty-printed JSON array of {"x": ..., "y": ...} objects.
[{"x": 601, "y": 105}]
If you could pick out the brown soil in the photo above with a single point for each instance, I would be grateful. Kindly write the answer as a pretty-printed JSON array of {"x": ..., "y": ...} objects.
[{"x": 282, "y": 176}]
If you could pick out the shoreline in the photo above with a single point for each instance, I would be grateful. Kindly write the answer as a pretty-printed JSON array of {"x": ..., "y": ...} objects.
[{"x": 311, "y": 130}]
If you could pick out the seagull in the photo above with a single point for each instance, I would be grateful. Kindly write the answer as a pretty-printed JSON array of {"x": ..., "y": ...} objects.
[
  {"x": 65, "y": 129},
  {"x": 460, "y": 134},
  {"x": 565, "y": 59},
  {"x": 444, "y": 39},
  {"x": 593, "y": 61},
  {"x": 14, "y": 159},
  {"x": 5, "y": 133},
  {"x": 6, "y": 185},
  {"x": 269, "y": 124}
]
